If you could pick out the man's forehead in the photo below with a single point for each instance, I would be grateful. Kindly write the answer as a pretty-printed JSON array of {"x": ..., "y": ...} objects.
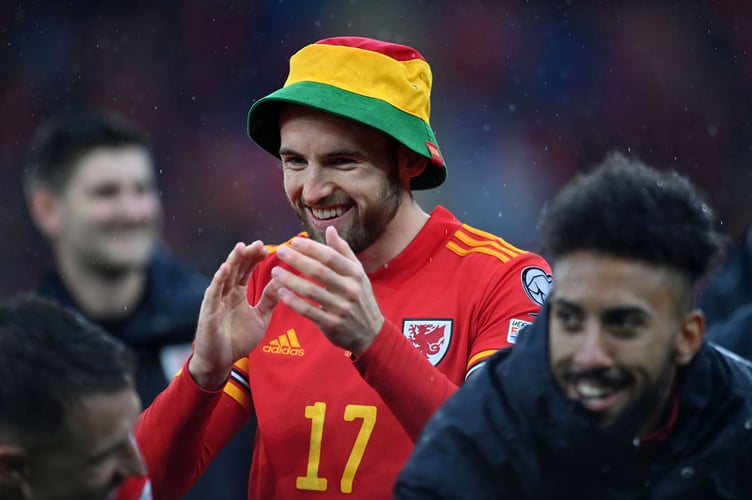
[
  {"x": 331, "y": 134},
  {"x": 585, "y": 267},
  {"x": 126, "y": 158},
  {"x": 600, "y": 283},
  {"x": 102, "y": 420},
  {"x": 601, "y": 309}
]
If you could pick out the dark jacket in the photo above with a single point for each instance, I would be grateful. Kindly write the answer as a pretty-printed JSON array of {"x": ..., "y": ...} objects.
[
  {"x": 164, "y": 319},
  {"x": 726, "y": 299},
  {"x": 735, "y": 333},
  {"x": 511, "y": 433},
  {"x": 730, "y": 287}
]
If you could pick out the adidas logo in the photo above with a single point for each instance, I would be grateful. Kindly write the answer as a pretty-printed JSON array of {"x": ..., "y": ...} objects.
[{"x": 286, "y": 344}]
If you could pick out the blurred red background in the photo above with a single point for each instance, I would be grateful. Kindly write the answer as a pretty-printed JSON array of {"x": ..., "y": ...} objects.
[{"x": 525, "y": 95}]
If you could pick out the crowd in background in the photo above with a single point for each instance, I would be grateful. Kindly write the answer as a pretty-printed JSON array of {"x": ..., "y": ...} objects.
[{"x": 525, "y": 95}]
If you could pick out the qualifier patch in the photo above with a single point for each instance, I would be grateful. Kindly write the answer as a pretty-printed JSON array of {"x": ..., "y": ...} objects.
[{"x": 537, "y": 284}]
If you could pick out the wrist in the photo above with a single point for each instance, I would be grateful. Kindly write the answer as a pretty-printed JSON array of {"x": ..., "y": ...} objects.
[
  {"x": 362, "y": 344},
  {"x": 206, "y": 378}
]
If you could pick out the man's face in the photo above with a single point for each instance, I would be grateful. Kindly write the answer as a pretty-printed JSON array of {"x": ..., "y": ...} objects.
[
  {"x": 95, "y": 453},
  {"x": 109, "y": 212},
  {"x": 616, "y": 333},
  {"x": 339, "y": 173}
]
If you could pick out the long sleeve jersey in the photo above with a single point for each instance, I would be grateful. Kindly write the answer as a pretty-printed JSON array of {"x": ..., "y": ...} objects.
[{"x": 329, "y": 425}]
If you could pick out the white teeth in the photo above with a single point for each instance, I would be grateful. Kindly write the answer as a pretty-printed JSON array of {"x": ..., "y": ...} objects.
[
  {"x": 328, "y": 213},
  {"x": 590, "y": 390}
]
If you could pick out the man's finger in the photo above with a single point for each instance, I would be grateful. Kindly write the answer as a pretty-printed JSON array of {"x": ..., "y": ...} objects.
[
  {"x": 213, "y": 293},
  {"x": 305, "y": 288},
  {"x": 251, "y": 256},
  {"x": 304, "y": 307},
  {"x": 322, "y": 255},
  {"x": 335, "y": 241},
  {"x": 269, "y": 298},
  {"x": 233, "y": 261}
]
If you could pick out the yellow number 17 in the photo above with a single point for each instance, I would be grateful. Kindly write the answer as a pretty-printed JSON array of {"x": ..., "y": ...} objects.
[{"x": 316, "y": 413}]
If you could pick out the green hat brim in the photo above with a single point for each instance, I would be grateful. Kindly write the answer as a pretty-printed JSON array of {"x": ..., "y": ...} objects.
[{"x": 414, "y": 133}]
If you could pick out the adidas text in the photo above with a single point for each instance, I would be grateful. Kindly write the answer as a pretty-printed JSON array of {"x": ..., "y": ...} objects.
[{"x": 288, "y": 351}]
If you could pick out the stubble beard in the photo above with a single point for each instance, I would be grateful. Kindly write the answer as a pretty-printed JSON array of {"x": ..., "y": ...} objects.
[
  {"x": 112, "y": 264},
  {"x": 361, "y": 235},
  {"x": 634, "y": 418}
]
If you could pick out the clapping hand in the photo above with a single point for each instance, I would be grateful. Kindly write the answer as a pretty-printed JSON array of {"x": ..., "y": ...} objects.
[
  {"x": 228, "y": 327},
  {"x": 339, "y": 300}
]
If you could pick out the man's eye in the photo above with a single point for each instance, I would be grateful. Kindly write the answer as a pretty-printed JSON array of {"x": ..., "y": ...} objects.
[
  {"x": 342, "y": 162},
  {"x": 293, "y": 163},
  {"x": 567, "y": 319},
  {"x": 626, "y": 326},
  {"x": 105, "y": 192}
]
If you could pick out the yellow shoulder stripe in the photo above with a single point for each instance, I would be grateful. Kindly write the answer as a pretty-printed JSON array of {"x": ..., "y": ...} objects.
[
  {"x": 462, "y": 252},
  {"x": 493, "y": 237},
  {"x": 490, "y": 245},
  {"x": 480, "y": 356},
  {"x": 273, "y": 248}
]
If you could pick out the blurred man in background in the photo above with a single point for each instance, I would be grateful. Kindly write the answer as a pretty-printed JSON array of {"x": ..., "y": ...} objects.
[
  {"x": 726, "y": 299},
  {"x": 68, "y": 405},
  {"x": 92, "y": 191}
]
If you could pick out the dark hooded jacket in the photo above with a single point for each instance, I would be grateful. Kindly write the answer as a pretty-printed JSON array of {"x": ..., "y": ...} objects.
[
  {"x": 166, "y": 316},
  {"x": 726, "y": 300},
  {"x": 164, "y": 319},
  {"x": 730, "y": 287},
  {"x": 510, "y": 432}
]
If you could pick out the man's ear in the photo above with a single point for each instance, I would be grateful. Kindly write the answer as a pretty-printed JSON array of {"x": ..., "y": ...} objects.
[
  {"x": 13, "y": 465},
  {"x": 689, "y": 339},
  {"x": 43, "y": 210},
  {"x": 411, "y": 165}
]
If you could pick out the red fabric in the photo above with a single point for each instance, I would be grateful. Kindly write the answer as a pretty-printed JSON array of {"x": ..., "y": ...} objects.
[
  {"x": 395, "y": 51},
  {"x": 388, "y": 363},
  {"x": 176, "y": 435},
  {"x": 466, "y": 281},
  {"x": 331, "y": 427},
  {"x": 133, "y": 489},
  {"x": 660, "y": 435}
]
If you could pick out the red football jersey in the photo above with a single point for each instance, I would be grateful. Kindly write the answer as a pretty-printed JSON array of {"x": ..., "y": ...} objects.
[
  {"x": 135, "y": 488},
  {"x": 331, "y": 427}
]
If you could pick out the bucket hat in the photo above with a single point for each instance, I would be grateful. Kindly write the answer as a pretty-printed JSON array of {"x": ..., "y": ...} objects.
[{"x": 383, "y": 85}]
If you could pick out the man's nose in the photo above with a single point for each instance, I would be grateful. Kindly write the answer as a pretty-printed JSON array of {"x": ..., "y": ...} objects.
[
  {"x": 139, "y": 206},
  {"x": 317, "y": 184},
  {"x": 593, "y": 351}
]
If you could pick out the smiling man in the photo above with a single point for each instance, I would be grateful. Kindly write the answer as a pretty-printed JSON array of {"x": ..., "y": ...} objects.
[
  {"x": 345, "y": 339},
  {"x": 612, "y": 393},
  {"x": 617, "y": 336},
  {"x": 68, "y": 406},
  {"x": 91, "y": 187}
]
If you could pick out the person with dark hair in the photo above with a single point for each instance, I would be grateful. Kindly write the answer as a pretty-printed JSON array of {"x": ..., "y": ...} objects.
[
  {"x": 68, "y": 405},
  {"x": 345, "y": 339},
  {"x": 91, "y": 188},
  {"x": 612, "y": 393}
]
